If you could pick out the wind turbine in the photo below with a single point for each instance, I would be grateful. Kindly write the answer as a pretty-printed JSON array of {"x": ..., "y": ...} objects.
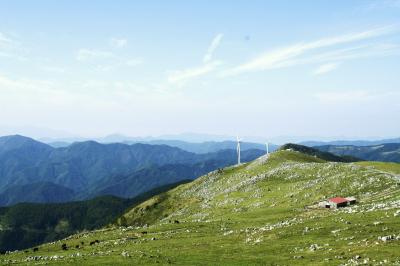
[
  {"x": 238, "y": 148},
  {"x": 267, "y": 146}
]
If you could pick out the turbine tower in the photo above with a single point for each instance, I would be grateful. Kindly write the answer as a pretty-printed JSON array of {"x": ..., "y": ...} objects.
[
  {"x": 267, "y": 146},
  {"x": 238, "y": 148}
]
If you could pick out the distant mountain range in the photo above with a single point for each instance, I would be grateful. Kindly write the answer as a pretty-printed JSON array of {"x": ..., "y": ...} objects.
[
  {"x": 350, "y": 142},
  {"x": 198, "y": 143},
  {"x": 200, "y": 147},
  {"x": 36, "y": 172},
  {"x": 118, "y": 138},
  {"x": 389, "y": 152}
]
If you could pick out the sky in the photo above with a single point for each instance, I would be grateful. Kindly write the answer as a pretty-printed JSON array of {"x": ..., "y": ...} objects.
[{"x": 327, "y": 69}]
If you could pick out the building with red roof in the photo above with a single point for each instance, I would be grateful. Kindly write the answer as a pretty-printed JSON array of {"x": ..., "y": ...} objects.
[{"x": 338, "y": 202}]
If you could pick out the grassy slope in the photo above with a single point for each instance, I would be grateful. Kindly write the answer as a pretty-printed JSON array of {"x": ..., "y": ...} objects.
[{"x": 254, "y": 214}]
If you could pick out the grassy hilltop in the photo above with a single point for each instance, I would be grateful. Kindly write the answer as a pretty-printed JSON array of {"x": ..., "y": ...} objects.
[{"x": 253, "y": 214}]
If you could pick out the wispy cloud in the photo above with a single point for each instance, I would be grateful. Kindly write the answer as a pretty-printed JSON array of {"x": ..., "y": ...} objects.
[
  {"x": 105, "y": 60},
  {"x": 338, "y": 97},
  {"x": 382, "y": 4},
  {"x": 117, "y": 63},
  {"x": 53, "y": 69},
  {"x": 7, "y": 83},
  {"x": 325, "y": 68},
  {"x": 291, "y": 55},
  {"x": 181, "y": 76},
  {"x": 118, "y": 43},
  {"x": 355, "y": 52},
  {"x": 5, "y": 40},
  {"x": 90, "y": 54},
  {"x": 134, "y": 62},
  {"x": 11, "y": 48},
  {"x": 35, "y": 93},
  {"x": 213, "y": 46}
]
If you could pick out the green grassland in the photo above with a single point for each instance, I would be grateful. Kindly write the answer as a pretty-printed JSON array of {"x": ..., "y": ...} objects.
[{"x": 259, "y": 213}]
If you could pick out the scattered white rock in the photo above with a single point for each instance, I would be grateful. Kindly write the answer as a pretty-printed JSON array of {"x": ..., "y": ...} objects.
[
  {"x": 314, "y": 247},
  {"x": 387, "y": 238},
  {"x": 125, "y": 254}
]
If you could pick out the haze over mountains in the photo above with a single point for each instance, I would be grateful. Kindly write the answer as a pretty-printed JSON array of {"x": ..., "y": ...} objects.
[
  {"x": 120, "y": 138},
  {"x": 209, "y": 138},
  {"x": 195, "y": 147},
  {"x": 350, "y": 142}
]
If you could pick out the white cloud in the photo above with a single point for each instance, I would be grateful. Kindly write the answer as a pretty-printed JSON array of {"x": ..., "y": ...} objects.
[
  {"x": 133, "y": 62},
  {"x": 118, "y": 43},
  {"x": 181, "y": 76},
  {"x": 118, "y": 63},
  {"x": 335, "y": 97},
  {"x": 382, "y": 4},
  {"x": 4, "y": 40},
  {"x": 37, "y": 93},
  {"x": 5, "y": 54},
  {"x": 26, "y": 85},
  {"x": 11, "y": 48},
  {"x": 365, "y": 97},
  {"x": 325, "y": 68},
  {"x": 288, "y": 56},
  {"x": 53, "y": 69},
  {"x": 356, "y": 52},
  {"x": 213, "y": 46},
  {"x": 106, "y": 60},
  {"x": 105, "y": 68},
  {"x": 349, "y": 53},
  {"x": 90, "y": 54}
]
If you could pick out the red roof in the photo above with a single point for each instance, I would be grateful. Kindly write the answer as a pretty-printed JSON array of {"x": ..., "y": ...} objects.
[{"x": 338, "y": 200}]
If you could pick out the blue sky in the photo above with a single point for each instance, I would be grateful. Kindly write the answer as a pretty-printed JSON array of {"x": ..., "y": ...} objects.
[{"x": 253, "y": 68}]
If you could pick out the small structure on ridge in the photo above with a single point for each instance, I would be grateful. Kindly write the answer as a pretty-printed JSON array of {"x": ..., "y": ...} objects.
[{"x": 338, "y": 202}]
